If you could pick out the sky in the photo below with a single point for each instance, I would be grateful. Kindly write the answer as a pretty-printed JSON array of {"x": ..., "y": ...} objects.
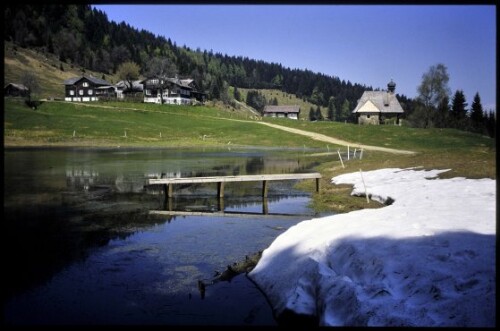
[
  {"x": 365, "y": 44},
  {"x": 426, "y": 260}
]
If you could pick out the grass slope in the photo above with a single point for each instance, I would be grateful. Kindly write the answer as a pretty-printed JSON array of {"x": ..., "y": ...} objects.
[
  {"x": 45, "y": 66},
  {"x": 286, "y": 99},
  {"x": 136, "y": 124}
]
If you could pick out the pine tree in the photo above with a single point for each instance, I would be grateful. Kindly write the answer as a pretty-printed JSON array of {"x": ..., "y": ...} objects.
[
  {"x": 237, "y": 94},
  {"x": 458, "y": 110},
  {"x": 442, "y": 116},
  {"x": 319, "y": 116},
  {"x": 332, "y": 111},
  {"x": 490, "y": 123},
  {"x": 477, "y": 115},
  {"x": 312, "y": 114},
  {"x": 345, "y": 111}
]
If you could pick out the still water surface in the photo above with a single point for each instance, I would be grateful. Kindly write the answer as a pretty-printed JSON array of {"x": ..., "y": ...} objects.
[{"x": 83, "y": 249}]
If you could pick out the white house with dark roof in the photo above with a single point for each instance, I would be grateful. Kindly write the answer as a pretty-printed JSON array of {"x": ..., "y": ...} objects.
[
  {"x": 291, "y": 112},
  {"x": 84, "y": 89},
  {"x": 375, "y": 106},
  {"x": 171, "y": 91}
]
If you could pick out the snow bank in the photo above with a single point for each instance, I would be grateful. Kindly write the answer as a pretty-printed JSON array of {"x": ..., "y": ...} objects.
[{"x": 427, "y": 259}]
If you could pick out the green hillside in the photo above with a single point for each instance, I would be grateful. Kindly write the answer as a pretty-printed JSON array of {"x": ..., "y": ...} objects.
[
  {"x": 286, "y": 99},
  {"x": 46, "y": 67},
  {"x": 137, "y": 124}
]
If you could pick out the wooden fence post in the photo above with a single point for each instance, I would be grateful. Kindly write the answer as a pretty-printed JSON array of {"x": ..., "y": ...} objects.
[
  {"x": 366, "y": 193},
  {"x": 340, "y": 157}
]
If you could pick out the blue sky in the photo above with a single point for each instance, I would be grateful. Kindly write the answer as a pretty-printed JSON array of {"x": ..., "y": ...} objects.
[{"x": 366, "y": 44}]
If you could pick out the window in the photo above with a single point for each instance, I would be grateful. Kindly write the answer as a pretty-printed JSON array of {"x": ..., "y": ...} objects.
[
  {"x": 80, "y": 92},
  {"x": 90, "y": 92},
  {"x": 71, "y": 92},
  {"x": 85, "y": 84}
]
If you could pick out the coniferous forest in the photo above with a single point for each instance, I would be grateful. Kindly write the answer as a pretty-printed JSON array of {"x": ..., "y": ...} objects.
[{"x": 84, "y": 36}]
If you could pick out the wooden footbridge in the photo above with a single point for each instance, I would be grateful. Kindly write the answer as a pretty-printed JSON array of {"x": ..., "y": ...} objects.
[{"x": 168, "y": 183}]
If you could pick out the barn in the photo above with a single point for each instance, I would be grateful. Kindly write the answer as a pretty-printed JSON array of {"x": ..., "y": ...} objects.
[
  {"x": 291, "y": 112},
  {"x": 15, "y": 90}
]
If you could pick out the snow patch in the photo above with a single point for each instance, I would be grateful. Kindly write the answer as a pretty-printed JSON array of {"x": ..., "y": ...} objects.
[{"x": 426, "y": 259}]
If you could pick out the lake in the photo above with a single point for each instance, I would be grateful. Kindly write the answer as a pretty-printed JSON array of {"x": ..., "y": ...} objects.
[{"x": 83, "y": 249}]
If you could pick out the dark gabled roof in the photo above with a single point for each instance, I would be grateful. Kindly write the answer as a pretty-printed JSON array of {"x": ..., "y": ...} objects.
[
  {"x": 179, "y": 82},
  {"x": 381, "y": 101},
  {"x": 20, "y": 87},
  {"x": 282, "y": 109},
  {"x": 96, "y": 81},
  {"x": 183, "y": 83}
]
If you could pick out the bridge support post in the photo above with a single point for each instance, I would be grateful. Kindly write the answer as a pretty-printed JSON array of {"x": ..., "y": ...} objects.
[
  {"x": 264, "y": 188},
  {"x": 265, "y": 206},
  {"x": 220, "y": 205},
  {"x": 220, "y": 189},
  {"x": 317, "y": 185},
  {"x": 168, "y": 189}
]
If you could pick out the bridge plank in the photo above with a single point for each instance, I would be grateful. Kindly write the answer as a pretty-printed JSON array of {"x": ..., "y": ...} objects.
[{"x": 226, "y": 179}]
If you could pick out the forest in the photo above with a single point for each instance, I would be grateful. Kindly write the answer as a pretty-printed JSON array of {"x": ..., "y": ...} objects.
[{"x": 84, "y": 36}]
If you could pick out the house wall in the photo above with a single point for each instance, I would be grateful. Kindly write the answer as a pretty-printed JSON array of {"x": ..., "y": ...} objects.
[
  {"x": 293, "y": 116},
  {"x": 369, "y": 118},
  {"x": 84, "y": 90},
  {"x": 82, "y": 99},
  {"x": 172, "y": 96}
]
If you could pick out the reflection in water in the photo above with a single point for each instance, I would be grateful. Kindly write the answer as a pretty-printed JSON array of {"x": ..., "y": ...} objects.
[{"x": 83, "y": 249}]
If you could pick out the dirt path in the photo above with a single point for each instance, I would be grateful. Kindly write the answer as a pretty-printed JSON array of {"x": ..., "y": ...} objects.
[{"x": 322, "y": 137}]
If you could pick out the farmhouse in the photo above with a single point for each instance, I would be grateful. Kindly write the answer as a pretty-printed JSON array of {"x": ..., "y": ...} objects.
[
  {"x": 123, "y": 89},
  {"x": 376, "y": 106},
  {"x": 87, "y": 89},
  {"x": 171, "y": 91},
  {"x": 15, "y": 90},
  {"x": 291, "y": 112}
]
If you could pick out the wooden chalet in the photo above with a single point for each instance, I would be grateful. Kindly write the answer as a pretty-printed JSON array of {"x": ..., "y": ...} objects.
[
  {"x": 15, "y": 90},
  {"x": 85, "y": 89},
  {"x": 291, "y": 112},
  {"x": 123, "y": 89},
  {"x": 376, "y": 106},
  {"x": 173, "y": 91}
]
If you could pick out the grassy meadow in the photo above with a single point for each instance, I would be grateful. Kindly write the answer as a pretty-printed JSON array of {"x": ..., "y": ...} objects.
[{"x": 136, "y": 124}]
